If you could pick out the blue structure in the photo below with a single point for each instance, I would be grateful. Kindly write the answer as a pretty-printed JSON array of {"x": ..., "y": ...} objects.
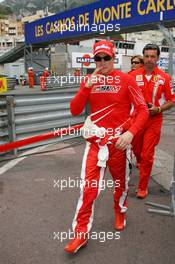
[{"x": 102, "y": 17}]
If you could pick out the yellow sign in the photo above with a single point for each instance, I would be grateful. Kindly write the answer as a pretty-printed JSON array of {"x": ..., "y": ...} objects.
[{"x": 3, "y": 85}]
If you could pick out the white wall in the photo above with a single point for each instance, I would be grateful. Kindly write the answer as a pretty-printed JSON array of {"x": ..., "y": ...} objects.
[{"x": 14, "y": 69}]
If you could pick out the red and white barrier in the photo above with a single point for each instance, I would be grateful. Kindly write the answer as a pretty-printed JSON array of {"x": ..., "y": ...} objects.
[{"x": 27, "y": 141}]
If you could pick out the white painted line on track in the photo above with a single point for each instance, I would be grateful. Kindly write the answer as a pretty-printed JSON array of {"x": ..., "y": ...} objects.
[{"x": 12, "y": 163}]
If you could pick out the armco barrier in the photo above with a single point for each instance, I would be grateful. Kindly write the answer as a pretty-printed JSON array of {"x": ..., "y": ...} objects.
[
  {"x": 58, "y": 82},
  {"x": 31, "y": 114},
  {"x": 4, "y": 131},
  {"x": 58, "y": 133}
]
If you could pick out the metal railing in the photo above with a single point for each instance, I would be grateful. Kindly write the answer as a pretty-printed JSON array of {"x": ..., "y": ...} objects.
[
  {"x": 26, "y": 115},
  {"x": 165, "y": 209},
  {"x": 4, "y": 131},
  {"x": 59, "y": 82}
]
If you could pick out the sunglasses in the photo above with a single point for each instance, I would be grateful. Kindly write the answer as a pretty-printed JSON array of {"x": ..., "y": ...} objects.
[
  {"x": 135, "y": 62},
  {"x": 105, "y": 58}
]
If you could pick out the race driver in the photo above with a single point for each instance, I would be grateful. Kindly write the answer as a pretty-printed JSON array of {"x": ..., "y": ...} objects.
[
  {"x": 156, "y": 87},
  {"x": 110, "y": 94}
]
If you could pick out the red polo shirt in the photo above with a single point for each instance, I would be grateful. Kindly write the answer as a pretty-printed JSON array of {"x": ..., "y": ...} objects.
[{"x": 158, "y": 89}]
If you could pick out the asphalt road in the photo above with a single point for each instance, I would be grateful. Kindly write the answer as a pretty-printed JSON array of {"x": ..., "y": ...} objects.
[{"x": 35, "y": 213}]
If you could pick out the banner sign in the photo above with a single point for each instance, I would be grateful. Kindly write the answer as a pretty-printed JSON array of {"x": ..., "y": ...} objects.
[
  {"x": 3, "y": 85},
  {"x": 163, "y": 63},
  {"x": 100, "y": 17}
]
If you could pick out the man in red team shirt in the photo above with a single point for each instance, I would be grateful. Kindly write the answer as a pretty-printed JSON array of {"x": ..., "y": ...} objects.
[
  {"x": 46, "y": 73},
  {"x": 156, "y": 88},
  {"x": 110, "y": 94}
]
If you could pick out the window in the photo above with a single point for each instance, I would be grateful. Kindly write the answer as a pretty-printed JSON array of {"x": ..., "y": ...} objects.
[
  {"x": 164, "y": 49},
  {"x": 125, "y": 45}
]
